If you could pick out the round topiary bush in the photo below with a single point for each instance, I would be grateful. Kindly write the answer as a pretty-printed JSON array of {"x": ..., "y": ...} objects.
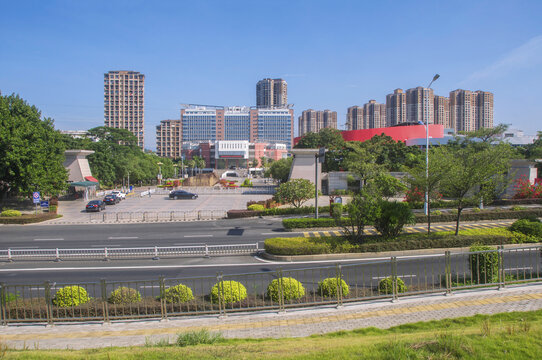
[
  {"x": 124, "y": 295},
  {"x": 328, "y": 287},
  {"x": 256, "y": 207},
  {"x": 11, "y": 213},
  {"x": 385, "y": 286},
  {"x": 228, "y": 292},
  {"x": 71, "y": 296},
  {"x": 178, "y": 294},
  {"x": 291, "y": 288}
]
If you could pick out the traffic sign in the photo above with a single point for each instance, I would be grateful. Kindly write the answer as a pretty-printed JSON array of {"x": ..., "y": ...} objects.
[
  {"x": 36, "y": 197},
  {"x": 44, "y": 203}
]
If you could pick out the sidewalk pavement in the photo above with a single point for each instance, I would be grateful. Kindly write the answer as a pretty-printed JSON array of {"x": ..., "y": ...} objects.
[{"x": 292, "y": 323}]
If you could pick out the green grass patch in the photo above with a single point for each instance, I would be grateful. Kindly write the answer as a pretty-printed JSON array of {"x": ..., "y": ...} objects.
[
  {"x": 516, "y": 335},
  {"x": 29, "y": 218}
]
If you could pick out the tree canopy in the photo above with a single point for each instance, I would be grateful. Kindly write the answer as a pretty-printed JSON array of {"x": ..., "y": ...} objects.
[
  {"x": 31, "y": 150},
  {"x": 280, "y": 169}
]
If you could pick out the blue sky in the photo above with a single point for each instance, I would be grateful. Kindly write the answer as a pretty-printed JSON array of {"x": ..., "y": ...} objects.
[{"x": 333, "y": 54}]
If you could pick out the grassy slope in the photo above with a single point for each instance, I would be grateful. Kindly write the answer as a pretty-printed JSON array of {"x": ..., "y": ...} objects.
[{"x": 501, "y": 336}]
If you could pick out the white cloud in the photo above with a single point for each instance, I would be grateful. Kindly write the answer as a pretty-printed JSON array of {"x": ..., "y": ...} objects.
[{"x": 524, "y": 56}]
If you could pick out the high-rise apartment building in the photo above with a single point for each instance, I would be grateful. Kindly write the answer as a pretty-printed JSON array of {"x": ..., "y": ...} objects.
[
  {"x": 355, "y": 118},
  {"x": 441, "y": 108},
  {"x": 124, "y": 102},
  {"x": 484, "y": 109},
  {"x": 419, "y": 104},
  {"x": 210, "y": 123},
  {"x": 271, "y": 94},
  {"x": 316, "y": 120},
  {"x": 168, "y": 139},
  {"x": 463, "y": 110},
  {"x": 374, "y": 115},
  {"x": 396, "y": 108}
]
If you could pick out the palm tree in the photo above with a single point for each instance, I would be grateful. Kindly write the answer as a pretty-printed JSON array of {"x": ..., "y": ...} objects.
[{"x": 191, "y": 164}]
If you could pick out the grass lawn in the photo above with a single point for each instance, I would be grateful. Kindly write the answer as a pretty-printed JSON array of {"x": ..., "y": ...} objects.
[{"x": 501, "y": 336}]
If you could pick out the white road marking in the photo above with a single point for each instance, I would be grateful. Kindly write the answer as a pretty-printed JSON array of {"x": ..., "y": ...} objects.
[
  {"x": 519, "y": 268},
  {"x": 278, "y": 233},
  {"x": 399, "y": 276},
  {"x": 122, "y": 237},
  {"x": 197, "y": 236},
  {"x": 102, "y": 246},
  {"x": 58, "y": 239},
  {"x": 24, "y": 247}
]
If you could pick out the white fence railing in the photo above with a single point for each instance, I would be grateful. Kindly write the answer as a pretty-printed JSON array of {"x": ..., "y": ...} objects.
[
  {"x": 157, "y": 216},
  {"x": 106, "y": 253}
]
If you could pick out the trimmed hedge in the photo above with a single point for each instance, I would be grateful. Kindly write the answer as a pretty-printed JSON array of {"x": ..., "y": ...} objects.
[
  {"x": 306, "y": 223},
  {"x": 328, "y": 287},
  {"x": 256, "y": 207},
  {"x": 178, "y": 294},
  {"x": 338, "y": 245},
  {"x": 291, "y": 289},
  {"x": 10, "y": 213},
  {"x": 69, "y": 296},
  {"x": 237, "y": 214},
  {"x": 27, "y": 218},
  {"x": 385, "y": 286},
  {"x": 304, "y": 210},
  {"x": 528, "y": 227},
  {"x": 124, "y": 295},
  {"x": 228, "y": 291}
]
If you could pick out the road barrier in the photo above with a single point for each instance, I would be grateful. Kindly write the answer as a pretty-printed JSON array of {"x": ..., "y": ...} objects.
[
  {"x": 334, "y": 285},
  {"x": 108, "y": 253},
  {"x": 156, "y": 216}
]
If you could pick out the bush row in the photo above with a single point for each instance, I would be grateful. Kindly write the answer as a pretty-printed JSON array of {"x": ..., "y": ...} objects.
[
  {"x": 306, "y": 223},
  {"x": 337, "y": 245},
  {"x": 27, "y": 218}
]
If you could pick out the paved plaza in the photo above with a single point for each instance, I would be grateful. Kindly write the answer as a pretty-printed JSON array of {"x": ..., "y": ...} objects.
[{"x": 292, "y": 323}]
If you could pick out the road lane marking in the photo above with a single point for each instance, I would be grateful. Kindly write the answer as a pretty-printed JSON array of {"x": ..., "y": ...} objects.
[
  {"x": 197, "y": 236},
  {"x": 399, "y": 276},
  {"x": 122, "y": 237},
  {"x": 58, "y": 239},
  {"x": 519, "y": 268},
  {"x": 24, "y": 247},
  {"x": 103, "y": 246}
]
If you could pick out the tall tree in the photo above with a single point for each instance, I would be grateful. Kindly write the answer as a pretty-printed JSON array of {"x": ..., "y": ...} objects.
[
  {"x": 280, "y": 169},
  {"x": 474, "y": 172},
  {"x": 31, "y": 150}
]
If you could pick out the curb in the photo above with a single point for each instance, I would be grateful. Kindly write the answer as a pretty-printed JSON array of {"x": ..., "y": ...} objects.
[{"x": 377, "y": 255}]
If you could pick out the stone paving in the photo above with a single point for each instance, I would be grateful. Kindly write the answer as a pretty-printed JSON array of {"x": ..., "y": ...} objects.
[{"x": 292, "y": 323}]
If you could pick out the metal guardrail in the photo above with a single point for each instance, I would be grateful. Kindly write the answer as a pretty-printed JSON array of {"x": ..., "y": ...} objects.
[
  {"x": 105, "y": 253},
  {"x": 158, "y": 216},
  {"x": 386, "y": 278}
]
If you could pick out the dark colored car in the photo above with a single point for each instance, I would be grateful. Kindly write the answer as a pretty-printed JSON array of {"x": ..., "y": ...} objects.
[
  {"x": 181, "y": 194},
  {"x": 95, "y": 205},
  {"x": 111, "y": 200}
]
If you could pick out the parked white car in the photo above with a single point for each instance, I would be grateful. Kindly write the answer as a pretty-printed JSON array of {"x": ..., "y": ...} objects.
[{"x": 119, "y": 194}]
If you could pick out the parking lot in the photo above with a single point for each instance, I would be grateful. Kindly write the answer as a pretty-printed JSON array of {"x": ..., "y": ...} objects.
[{"x": 75, "y": 210}]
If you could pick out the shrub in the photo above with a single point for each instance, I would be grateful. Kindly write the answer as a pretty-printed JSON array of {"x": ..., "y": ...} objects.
[
  {"x": 11, "y": 213},
  {"x": 414, "y": 196},
  {"x": 336, "y": 210},
  {"x": 236, "y": 214},
  {"x": 202, "y": 336},
  {"x": 27, "y": 218},
  {"x": 178, "y": 294},
  {"x": 393, "y": 217},
  {"x": 328, "y": 287},
  {"x": 228, "y": 292},
  {"x": 9, "y": 297},
  {"x": 436, "y": 213},
  {"x": 385, "y": 286},
  {"x": 289, "y": 211},
  {"x": 53, "y": 209},
  {"x": 124, "y": 295},
  {"x": 527, "y": 227},
  {"x": 525, "y": 190},
  {"x": 71, "y": 296},
  {"x": 296, "y": 246},
  {"x": 303, "y": 223},
  {"x": 291, "y": 289},
  {"x": 256, "y": 207},
  {"x": 483, "y": 266},
  {"x": 247, "y": 183},
  {"x": 518, "y": 208}
]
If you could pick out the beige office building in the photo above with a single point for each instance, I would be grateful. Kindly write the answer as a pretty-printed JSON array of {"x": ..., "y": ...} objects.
[
  {"x": 374, "y": 115},
  {"x": 463, "y": 109},
  {"x": 316, "y": 120},
  {"x": 168, "y": 139},
  {"x": 442, "y": 112},
  {"x": 484, "y": 109},
  {"x": 271, "y": 94},
  {"x": 354, "y": 118},
  {"x": 419, "y": 103},
  {"x": 124, "y": 93},
  {"x": 396, "y": 108}
]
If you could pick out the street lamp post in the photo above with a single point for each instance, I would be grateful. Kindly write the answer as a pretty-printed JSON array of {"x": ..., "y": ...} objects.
[
  {"x": 426, "y": 204},
  {"x": 175, "y": 167}
]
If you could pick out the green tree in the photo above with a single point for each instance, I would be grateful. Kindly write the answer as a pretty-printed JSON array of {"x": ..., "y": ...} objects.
[
  {"x": 474, "y": 172},
  {"x": 280, "y": 169},
  {"x": 295, "y": 192},
  {"x": 31, "y": 150},
  {"x": 332, "y": 140},
  {"x": 363, "y": 211},
  {"x": 393, "y": 217}
]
